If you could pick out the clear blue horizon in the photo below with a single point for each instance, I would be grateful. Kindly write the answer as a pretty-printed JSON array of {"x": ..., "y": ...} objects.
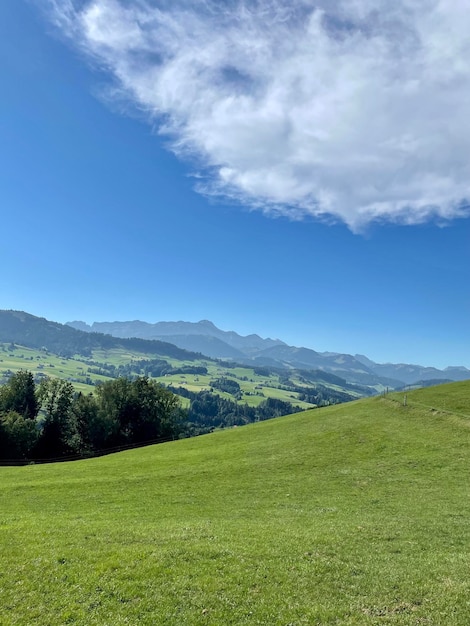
[{"x": 131, "y": 190}]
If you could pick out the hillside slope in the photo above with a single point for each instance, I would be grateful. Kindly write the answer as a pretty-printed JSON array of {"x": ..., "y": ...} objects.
[
  {"x": 37, "y": 332},
  {"x": 353, "y": 514},
  {"x": 206, "y": 338}
]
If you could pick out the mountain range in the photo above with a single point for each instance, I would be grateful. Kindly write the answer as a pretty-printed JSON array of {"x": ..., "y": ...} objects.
[{"x": 204, "y": 337}]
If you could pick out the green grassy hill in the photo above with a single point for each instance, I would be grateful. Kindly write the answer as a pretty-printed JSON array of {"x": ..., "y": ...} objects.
[{"x": 352, "y": 514}]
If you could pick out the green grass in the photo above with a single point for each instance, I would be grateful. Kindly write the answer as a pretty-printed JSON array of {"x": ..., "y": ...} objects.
[
  {"x": 255, "y": 388},
  {"x": 48, "y": 364},
  {"x": 76, "y": 370},
  {"x": 438, "y": 398},
  {"x": 352, "y": 514}
]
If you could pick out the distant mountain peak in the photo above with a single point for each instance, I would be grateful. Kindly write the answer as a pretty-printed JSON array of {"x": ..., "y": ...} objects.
[
  {"x": 180, "y": 331},
  {"x": 78, "y": 325},
  {"x": 207, "y": 323}
]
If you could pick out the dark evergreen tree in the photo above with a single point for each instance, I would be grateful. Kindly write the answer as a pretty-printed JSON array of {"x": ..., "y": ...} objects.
[{"x": 19, "y": 395}]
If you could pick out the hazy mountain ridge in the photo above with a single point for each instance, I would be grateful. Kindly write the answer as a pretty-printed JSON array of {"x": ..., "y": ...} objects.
[
  {"x": 207, "y": 345},
  {"x": 412, "y": 374},
  {"x": 146, "y": 330},
  {"x": 206, "y": 338}
]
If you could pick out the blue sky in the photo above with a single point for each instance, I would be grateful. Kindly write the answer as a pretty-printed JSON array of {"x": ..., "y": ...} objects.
[{"x": 145, "y": 174}]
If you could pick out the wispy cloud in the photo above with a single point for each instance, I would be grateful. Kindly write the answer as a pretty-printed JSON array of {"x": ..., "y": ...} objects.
[{"x": 354, "y": 110}]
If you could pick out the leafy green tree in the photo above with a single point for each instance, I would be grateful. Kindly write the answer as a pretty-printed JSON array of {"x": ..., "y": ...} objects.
[
  {"x": 226, "y": 384},
  {"x": 18, "y": 435},
  {"x": 91, "y": 429},
  {"x": 56, "y": 398},
  {"x": 116, "y": 402},
  {"x": 19, "y": 395},
  {"x": 159, "y": 411},
  {"x": 140, "y": 410}
]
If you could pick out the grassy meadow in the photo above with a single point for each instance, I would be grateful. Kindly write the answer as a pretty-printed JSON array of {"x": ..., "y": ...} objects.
[
  {"x": 81, "y": 371},
  {"x": 352, "y": 514}
]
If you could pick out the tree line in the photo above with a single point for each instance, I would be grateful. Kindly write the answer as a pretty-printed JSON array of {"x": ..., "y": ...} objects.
[
  {"x": 52, "y": 420},
  {"x": 143, "y": 367},
  {"x": 208, "y": 411}
]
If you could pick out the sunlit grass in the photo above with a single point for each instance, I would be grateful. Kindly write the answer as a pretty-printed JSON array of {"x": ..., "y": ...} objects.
[{"x": 353, "y": 514}]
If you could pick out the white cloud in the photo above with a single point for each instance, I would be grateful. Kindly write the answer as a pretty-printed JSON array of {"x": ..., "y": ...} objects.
[{"x": 355, "y": 110}]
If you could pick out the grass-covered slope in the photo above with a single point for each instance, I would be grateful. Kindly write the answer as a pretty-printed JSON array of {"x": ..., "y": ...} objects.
[{"x": 352, "y": 514}]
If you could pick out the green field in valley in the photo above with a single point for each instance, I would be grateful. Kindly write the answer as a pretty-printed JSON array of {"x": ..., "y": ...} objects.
[
  {"x": 351, "y": 514},
  {"x": 83, "y": 372}
]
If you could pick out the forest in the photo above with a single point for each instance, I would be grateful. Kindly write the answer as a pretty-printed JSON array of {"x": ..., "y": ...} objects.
[{"x": 51, "y": 420}]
